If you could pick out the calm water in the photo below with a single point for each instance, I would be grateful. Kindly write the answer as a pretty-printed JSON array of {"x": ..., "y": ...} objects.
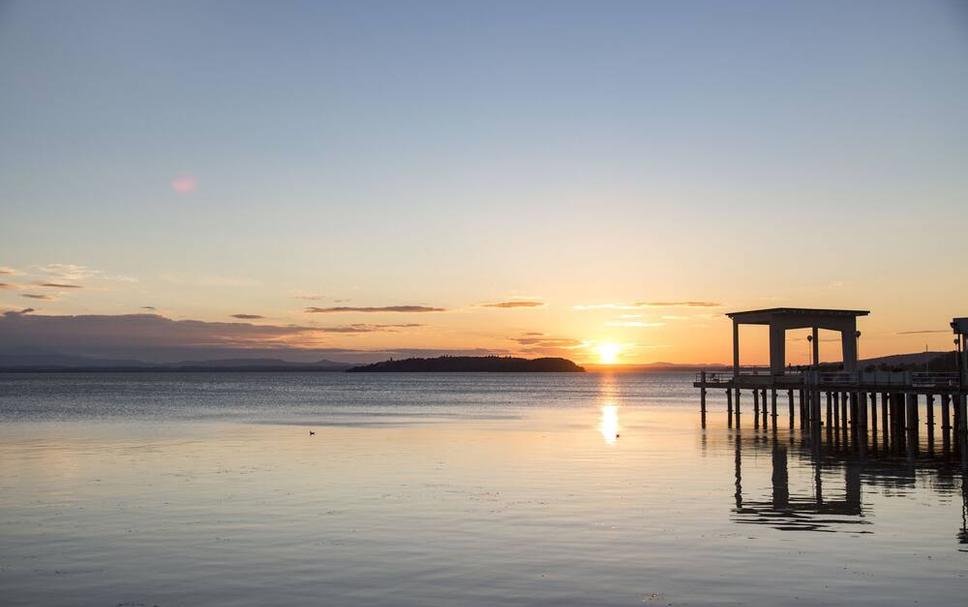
[{"x": 593, "y": 489}]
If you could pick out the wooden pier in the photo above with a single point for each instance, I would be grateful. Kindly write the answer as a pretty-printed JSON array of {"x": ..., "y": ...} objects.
[{"x": 842, "y": 404}]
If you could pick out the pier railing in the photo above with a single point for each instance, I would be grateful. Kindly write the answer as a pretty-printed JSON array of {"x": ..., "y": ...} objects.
[{"x": 915, "y": 379}]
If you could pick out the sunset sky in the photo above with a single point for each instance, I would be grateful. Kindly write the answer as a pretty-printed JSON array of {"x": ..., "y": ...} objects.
[{"x": 509, "y": 177}]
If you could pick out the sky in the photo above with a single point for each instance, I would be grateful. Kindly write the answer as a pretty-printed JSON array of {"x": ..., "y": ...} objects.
[{"x": 366, "y": 179}]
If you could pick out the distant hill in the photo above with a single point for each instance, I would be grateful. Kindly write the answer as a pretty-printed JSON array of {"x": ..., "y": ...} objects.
[
  {"x": 60, "y": 362},
  {"x": 915, "y": 361},
  {"x": 489, "y": 364}
]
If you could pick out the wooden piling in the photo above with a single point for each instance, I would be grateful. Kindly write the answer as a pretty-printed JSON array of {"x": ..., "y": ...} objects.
[
  {"x": 843, "y": 415},
  {"x": 790, "y": 403},
  {"x": 874, "y": 417},
  {"x": 836, "y": 408},
  {"x": 702, "y": 398},
  {"x": 913, "y": 425},
  {"x": 756, "y": 408}
]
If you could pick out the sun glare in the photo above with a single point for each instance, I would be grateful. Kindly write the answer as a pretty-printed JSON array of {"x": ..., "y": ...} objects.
[
  {"x": 608, "y": 423},
  {"x": 608, "y": 353}
]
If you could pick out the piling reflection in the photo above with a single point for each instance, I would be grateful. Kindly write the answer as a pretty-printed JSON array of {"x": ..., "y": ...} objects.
[{"x": 843, "y": 469}]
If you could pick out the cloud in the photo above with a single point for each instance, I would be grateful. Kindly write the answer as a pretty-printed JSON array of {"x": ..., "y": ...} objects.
[
  {"x": 209, "y": 280},
  {"x": 144, "y": 330},
  {"x": 4, "y": 270},
  {"x": 533, "y": 333},
  {"x": 7, "y": 285},
  {"x": 680, "y": 304},
  {"x": 515, "y": 303},
  {"x": 308, "y": 297},
  {"x": 39, "y": 296},
  {"x": 368, "y": 309},
  {"x": 648, "y": 304},
  {"x": 247, "y": 316},
  {"x": 923, "y": 332},
  {"x": 548, "y": 342},
  {"x": 184, "y": 184},
  {"x": 148, "y": 308},
  {"x": 74, "y": 272},
  {"x": 18, "y": 312},
  {"x": 57, "y": 285},
  {"x": 633, "y": 323},
  {"x": 157, "y": 338},
  {"x": 607, "y": 306},
  {"x": 369, "y": 328}
]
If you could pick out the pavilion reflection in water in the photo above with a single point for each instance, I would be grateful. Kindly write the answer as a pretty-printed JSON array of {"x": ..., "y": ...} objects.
[{"x": 833, "y": 499}]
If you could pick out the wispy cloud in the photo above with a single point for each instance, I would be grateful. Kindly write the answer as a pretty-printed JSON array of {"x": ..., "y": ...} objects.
[
  {"x": 606, "y": 306},
  {"x": 39, "y": 296},
  {"x": 184, "y": 184},
  {"x": 74, "y": 272},
  {"x": 369, "y": 328},
  {"x": 308, "y": 297},
  {"x": 209, "y": 280},
  {"x": 148, "y": 308},
  {"x": 7, "y": 271},
  {"x": 57, "y": 285},
  {"x": 634, "y": 323},
  {"x": 923, "y": 332},
  {"x": 515, "y": 303},
  {"x": 247, "y": 316},
  {"x": 548, "y": 342},
  {"x": 7, "y": 285},
  {"x": 638, "y": 305},
  {"x": 680, "y": 304},
  {"x": 370, "y": 309}
]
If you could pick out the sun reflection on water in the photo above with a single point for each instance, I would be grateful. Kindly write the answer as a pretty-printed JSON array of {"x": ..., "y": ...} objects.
[{"x": 608, "y": 423}]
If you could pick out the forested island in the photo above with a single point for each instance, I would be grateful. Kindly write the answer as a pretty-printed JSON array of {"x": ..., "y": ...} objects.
[{"x": 488, "y": 364}]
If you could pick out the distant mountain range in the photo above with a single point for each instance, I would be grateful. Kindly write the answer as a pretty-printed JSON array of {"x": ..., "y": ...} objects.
[{"x": 63, "y": 362}]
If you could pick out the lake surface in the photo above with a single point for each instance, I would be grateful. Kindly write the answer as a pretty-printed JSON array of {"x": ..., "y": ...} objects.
[{"x": 464, "y": 489}]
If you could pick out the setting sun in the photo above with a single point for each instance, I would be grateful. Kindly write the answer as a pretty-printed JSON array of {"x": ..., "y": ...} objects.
[{"x": 608, "y": 353}]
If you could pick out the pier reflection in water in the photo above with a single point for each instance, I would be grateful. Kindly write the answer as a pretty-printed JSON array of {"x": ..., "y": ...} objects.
[{"x": 844, "y": 472}]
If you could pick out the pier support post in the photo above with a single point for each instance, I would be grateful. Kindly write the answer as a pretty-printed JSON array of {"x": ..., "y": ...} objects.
[
  {"x": 843, "y": 415},
  {"x": 773, "y": 405},
  {"x": 930, "y": 422},
  {"x": 729, "y": 407},
  {"x": 945, "y": 423},
  {"x": 899, "y": 425},
  {"x": 790, "y": 403},
  {"x": 913, "y": 427},
  {"x": 886, "y": 422},
  {"x": 702, "y": 397},
  {"x": 956, "y": 430},
  {"x": 873, "y": 423},
  {"x": 836, "y": 424},
  {"x": 737, "y": 407},
  {"x": 962, "y": 409},
  {"x": 756, "y": 408}
]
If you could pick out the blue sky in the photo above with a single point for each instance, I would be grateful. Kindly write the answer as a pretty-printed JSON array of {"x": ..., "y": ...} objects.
[{"x": 454, "y": 154}]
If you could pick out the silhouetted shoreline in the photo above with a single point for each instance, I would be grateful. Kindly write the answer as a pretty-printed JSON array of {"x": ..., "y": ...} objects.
[{"x": 487, "y": 364}]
